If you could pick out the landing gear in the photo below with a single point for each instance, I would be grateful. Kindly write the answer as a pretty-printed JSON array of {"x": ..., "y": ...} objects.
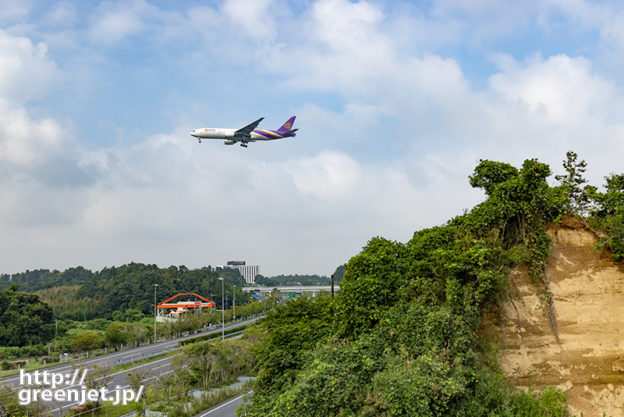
[
  {"x": 199, "y": 140},
  {"x": 244, "y": 144}
]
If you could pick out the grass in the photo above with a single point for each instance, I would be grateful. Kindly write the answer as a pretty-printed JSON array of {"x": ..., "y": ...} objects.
[
  {"x": 34, "y": 364},
  {"x": 174, "y": 407},
  {"x": 31, "y": 365}
]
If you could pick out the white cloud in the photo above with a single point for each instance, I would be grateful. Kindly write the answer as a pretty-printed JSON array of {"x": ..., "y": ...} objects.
[
  {"x": 328, "y": 175},
  {"x": 345, "y": 26},
  {"x": 26, "y": 72},
  {"x": 62, "y": 13},
  {"x": 563, "y": 89},
  {"x": 113, "y": 22},
  {"x": 253, "y": 16},
  {"x": 26, "y": 143},
  {"x": 389, "y": 155}
]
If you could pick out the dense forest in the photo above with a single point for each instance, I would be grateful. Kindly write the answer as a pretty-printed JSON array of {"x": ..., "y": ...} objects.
[
  {"x": 80, "y": 294},
  {"x": 120, "y": 292},
  {"x": 400, "y": 339}
]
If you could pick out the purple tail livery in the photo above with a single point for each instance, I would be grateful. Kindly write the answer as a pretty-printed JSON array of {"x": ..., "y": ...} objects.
[{"x": 286, "y": 127}]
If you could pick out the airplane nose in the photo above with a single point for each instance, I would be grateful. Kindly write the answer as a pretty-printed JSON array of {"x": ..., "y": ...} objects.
[{"x": 192, "y": 133}]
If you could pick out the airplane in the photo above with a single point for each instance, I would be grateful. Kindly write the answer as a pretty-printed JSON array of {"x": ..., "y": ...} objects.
[{"x": 246, "y": 134}]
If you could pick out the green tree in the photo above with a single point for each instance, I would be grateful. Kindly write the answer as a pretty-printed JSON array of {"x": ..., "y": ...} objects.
[
  {"x": 339, "y": 273},
  {"x": 24, "y": 319},
  {"x": 98, "y": 378},
  {"x": 138, "y": 378},
  {"x": 86, "y": 340},
  {"x": 489, "y": 174},
  {"x": 609, "y": 214},
  {"x": 371, "y": 284},
  {"x": 572, "y": 184},
  {"x": 9, "y": 404},
  {"x": 296, "y": 327}
]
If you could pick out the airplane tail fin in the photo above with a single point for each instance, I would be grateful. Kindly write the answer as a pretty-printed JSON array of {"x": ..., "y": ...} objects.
[{"x": 286, "y": 127}]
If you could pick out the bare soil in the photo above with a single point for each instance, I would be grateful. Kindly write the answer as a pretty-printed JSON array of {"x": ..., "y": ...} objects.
[{"x": 587, "y": 289}]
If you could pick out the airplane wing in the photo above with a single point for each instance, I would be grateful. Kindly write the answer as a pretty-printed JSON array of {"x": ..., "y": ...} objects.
[{"x": 246, "y": 131}]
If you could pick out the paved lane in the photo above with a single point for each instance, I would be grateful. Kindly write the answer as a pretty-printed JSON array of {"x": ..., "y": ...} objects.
[
  {"x": 125, "y": 356},
  {"x": 225, "y": 409},
  {"x": 151, "y": 370}
]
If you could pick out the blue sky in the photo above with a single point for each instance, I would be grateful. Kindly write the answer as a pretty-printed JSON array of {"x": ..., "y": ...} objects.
[{"x": 396, "y": 102}]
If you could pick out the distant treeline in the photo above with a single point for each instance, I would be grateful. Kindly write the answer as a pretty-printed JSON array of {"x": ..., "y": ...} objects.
[
  {"x": 80, "y": 294},
  {"x": 280, "y": 280}
]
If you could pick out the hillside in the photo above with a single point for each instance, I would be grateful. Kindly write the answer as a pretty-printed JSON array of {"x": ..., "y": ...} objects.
[{"x": 588, "y": 295}]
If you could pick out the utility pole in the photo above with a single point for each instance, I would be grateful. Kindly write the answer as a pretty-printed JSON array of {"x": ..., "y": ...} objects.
[
  {"x": 222, "y": 309},
  {"x": 234, "y": 302},
  {"x": 332, "y": 286},
  {"x": 155, "y": 311}
]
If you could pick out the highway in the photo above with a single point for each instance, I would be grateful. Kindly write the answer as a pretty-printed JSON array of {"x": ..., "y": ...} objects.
[
  {"x": 293, "y": 288},
  {"x": 226, "y": 408},
  {"x": 149, "y": 370},
  {"x": 124, "y": 356}
]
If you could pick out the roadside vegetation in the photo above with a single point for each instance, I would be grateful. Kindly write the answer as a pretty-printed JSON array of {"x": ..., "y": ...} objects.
[
  {"x": 99, "y": 335},
  {"x": 44, "y": 313}
]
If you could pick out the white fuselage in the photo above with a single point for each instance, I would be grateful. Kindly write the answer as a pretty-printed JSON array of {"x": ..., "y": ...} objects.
[
  {"x": 245, "y": 134},
  {"x": 224, "y": 133},
  {"x": 213, "y": 133}
]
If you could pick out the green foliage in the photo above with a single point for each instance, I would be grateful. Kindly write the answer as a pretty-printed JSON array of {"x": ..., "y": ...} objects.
[
  {"x": 608, "y": 216},
  {"x": 380, "y": 272},
  {"x": 9, "y": 404},
  {"x": 127, "y": 292},
  {"x": 296, "y": 327},
  {"x": 421, "y": 387},
  {"x": 614, "y": 241},
  {"x": 339, "y": 273},
  {"x": 515, "y": 208},
  {"x": 489, "y": 174},
  {"x": 403, "y": 339},
  {"x": 216, "y": 362},
  {"x": 577, "y": 199},
  {"x": 551, "y": 403},
  {"x": 27, "y": 351},
  {"x": 86, "y": 340},
  {"x": 119, "y": 333},
  {"x": 24, "y": 319}
]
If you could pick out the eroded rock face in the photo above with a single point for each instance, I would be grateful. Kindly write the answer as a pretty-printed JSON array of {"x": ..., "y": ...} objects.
[{"x": 588, "y": 293}]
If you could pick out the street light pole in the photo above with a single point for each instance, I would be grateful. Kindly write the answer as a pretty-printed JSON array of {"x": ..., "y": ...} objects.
[
  {"x": 234, "y": 302},
  {"x": 155, "y": 311},
  {"x": 222, "y": 309}
]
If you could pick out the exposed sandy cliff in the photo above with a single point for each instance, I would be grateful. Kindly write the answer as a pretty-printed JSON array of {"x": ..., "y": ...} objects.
[{"x": 588, "y": 293}]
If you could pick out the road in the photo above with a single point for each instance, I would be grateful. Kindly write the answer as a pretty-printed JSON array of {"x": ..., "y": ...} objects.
[
  {"x": 122, "y": 357},
  {"x": 150, "y": 370},
  {"x": 225, "y": 409}
]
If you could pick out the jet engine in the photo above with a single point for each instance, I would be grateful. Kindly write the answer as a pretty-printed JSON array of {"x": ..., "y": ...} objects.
[{"x": 229, "y": 142}]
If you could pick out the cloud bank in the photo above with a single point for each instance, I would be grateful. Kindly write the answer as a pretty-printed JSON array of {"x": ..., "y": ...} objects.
[{"x": 396, "y": 105}]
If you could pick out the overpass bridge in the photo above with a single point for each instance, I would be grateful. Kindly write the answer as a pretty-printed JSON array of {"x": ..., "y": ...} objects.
[{"x": 293, "y": 288}]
